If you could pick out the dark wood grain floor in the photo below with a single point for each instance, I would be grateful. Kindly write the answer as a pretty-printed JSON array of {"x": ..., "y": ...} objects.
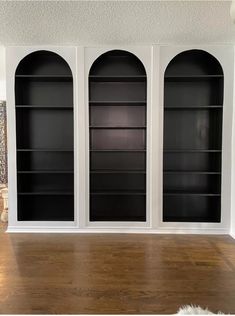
[{"x": 42, "y": 273}]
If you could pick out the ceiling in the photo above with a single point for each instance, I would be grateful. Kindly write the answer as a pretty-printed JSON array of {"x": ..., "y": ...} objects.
[{"x": 115, "y": 22}]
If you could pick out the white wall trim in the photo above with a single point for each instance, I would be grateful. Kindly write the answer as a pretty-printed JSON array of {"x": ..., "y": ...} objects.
[
  {"x": 13, "y": 57},
  {"x": 155, "y": 58},
  {"x": 114, "y": 230},
  {"x": 232, "y": 221},
  {"x": 224, "y": 54}
]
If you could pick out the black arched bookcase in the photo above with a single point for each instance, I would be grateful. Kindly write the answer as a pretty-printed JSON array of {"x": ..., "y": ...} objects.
[
  {"x": 117, "y": 124},
  {"x": 44, "y": 129},
  {"x": 193, "y": 110}
]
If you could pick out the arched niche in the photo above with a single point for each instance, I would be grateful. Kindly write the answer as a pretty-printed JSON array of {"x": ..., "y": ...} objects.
[
  {"x": 117, "y": 125},
  {"x": 44, "y": 131},
  {"x": 193, "y": 111}
]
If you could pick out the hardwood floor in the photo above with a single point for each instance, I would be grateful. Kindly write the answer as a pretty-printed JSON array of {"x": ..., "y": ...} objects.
[{"x": 64, "y": 274}]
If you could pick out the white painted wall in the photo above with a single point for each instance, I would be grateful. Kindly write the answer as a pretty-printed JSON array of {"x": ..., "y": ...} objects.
[
  {"x": 97, "y": 23},
  {"x": 2, "y": 74}
]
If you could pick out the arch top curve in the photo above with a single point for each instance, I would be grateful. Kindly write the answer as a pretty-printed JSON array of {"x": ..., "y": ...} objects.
[
  {"x": 194, "y": 62},
  {"x": 117, "y": 63},
  {"x": 43, "y": 62}
]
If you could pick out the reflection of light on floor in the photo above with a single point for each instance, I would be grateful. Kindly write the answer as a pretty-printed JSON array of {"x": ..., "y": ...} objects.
[{"x": 118, "y": 273}]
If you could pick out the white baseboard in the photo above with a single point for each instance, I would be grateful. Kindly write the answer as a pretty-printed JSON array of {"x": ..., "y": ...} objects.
[
  {"x": 232, "y": 235},
  {"x": 75, "y": 230}
]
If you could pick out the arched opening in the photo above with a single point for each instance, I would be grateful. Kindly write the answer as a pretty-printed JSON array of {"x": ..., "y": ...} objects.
[
  {"x": 193, "y": 109},
  {"x": 117, "y": 124},
  {"x": 44, "y": 129}
]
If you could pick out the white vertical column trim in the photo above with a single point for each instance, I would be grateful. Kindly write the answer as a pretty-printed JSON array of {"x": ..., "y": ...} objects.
[
  {"x": 232, "y": 218},
  {"x": 76, "y": 147},
  {"x": 81, "y": 141},
  {"x": 156, "y": 139},
  {"x": 149, "y": 142},
  {"x": 87, "y": 142},
  {"x": 227, "y": 128},
  {"x": 11, "y": 138}
]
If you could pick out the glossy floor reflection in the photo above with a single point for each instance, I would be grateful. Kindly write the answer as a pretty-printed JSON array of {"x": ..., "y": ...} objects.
[{"x": 129, "y": 273}]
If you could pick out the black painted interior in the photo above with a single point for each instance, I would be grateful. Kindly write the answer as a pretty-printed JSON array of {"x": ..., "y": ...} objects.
[
  {"x": 193, "y": 109},
  {"x": 44, "y": 129},
  {"x": 117, "y": 118}
]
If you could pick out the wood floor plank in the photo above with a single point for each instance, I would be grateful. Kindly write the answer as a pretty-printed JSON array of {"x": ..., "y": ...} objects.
[{"x": 115, "y": 273}]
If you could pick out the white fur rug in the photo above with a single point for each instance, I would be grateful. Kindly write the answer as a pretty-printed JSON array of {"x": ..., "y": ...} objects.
[{"x": 194, "y": 310}]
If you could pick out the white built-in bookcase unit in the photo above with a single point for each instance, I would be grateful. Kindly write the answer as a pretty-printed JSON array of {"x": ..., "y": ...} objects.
[{"x": 120, "y": 139}]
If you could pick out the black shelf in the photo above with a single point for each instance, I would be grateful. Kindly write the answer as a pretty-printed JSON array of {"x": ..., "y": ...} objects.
[
  {"x": 117, "y": 193},
  {"x": 188, "y": 78},
  {"x": 97, "y": 78},
  {"x": 190, "y": 193},
  {"x": 192, "y": 138},
  {"x": 173, "y": 172},
  {"x": 117, "y": 108},
  {"x": 45, "y": 78},
  {"x": 39, "y": 107},
  {"x": 44, "y": 129},
  {"x": 44, "y": 150},
  {"x": 46, "y": 193},
  {"x": 118, "y": 150},
  {"x": 188, "y": 108},
  {"x": 191, "y": 219},
  {"x": 45, "y": 171},
  {"x": 117, "y": 103},
  {"x": 192, "y": 151},
  {"x": 117, "y": 127},
  {"x": 118, "y": 171}
]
